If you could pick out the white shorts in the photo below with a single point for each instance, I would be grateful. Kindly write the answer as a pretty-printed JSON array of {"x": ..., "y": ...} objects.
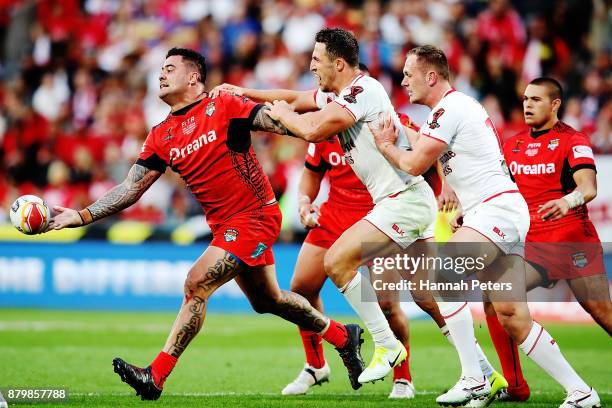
[
  {"x": 503, "y": 219},
  {"x": 406, "y": 216}
]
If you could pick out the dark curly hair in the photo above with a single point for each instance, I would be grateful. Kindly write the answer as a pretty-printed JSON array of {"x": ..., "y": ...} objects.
[
  {"x": 340, "y": 43},
  {"x": 191, "y": 57}
]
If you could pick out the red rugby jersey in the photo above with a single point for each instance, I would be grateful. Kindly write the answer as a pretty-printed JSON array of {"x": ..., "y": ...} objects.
[
  {"x": 543, "y": 163},
  {"x": 345, "y": 189},
  {"x": 208, "y": 144}
]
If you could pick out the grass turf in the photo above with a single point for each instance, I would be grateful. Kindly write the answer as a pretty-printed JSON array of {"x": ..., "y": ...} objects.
[{"x": 245, "y": 360}]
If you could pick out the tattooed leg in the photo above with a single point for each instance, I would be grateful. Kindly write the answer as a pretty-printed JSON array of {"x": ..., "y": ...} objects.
[
  {"x": 214, "y": 268},
  {"x": 261, "y": 288}
]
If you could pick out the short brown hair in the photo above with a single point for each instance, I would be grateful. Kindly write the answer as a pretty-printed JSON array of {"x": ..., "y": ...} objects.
[
  {"x": 433, "y": 57},
  {"x": 339, "y": 43},
  {"x": 552, "y": 85}
]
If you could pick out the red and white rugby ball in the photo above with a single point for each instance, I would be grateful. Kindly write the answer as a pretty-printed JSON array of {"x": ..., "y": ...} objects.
[{"x": 30, "y": 215}]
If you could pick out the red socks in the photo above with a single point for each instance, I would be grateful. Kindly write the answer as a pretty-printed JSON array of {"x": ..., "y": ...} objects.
[
  {"x": 161, "y": 368},
  {"x": 336, "y": 334},
  {"x": 313, "y": 347},
  {"x": 402, "y": 371},
  {"x": 507, "y": 352}
]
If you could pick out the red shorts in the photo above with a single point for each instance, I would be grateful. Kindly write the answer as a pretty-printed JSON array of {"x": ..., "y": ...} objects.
[
  {"x": 249, "y": 236},
  {"x": 569, "y": 251},
  {"x": 333, "y": 221}
]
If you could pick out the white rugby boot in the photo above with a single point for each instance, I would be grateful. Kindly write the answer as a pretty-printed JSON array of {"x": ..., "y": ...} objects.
[{"x": 308, "y": 377}]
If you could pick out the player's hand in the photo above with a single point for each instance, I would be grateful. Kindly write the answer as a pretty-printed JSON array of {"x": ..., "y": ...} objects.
[
  {"x": 278, "y": 109},
  {"x": 554, "y": 210},
  {"x": 447, "y": 200},
  {"x": 386, "y": 134},
  {"x": 308, "y": 214},
  {"x": 456, "y": 222},
  {"x": 229, "y": 88},
  {"x": 64, "y": 218}
]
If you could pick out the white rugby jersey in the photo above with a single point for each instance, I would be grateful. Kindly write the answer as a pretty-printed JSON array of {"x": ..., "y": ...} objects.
[
  {"x": 473, "y": 162},
  {"x": 364, "y": 99}
]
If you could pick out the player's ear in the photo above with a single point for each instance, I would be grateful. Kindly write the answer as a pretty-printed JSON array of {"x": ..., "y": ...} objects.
[
  {"x": 556, "y": 105},
  {"x": 432, "y": 78}
]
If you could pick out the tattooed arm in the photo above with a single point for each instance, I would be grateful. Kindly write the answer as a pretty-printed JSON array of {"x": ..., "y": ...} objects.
[
  {"x": 263, "y": 121},
  {"x": 138, "y": 180}
]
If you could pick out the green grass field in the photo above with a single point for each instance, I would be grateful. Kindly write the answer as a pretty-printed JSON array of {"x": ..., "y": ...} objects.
[{"x": 245, "y": 360}]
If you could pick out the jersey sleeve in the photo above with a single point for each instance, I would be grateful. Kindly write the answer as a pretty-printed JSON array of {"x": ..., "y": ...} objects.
[
  {"x": 314, "y": 159},
  {"x": 151, "y": 156},
  {"x": 579, "y": 152},
  {"x": 321, "y": 98},
  {"x": 442, "y": 124}
]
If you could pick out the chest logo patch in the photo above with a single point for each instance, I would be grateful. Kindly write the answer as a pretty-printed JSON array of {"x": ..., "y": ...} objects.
[
  {"x": 553, "y": 144},
  {"x": 352, "y": 97},
  {"x": 434, "y": 121},
  {"x": 188, "y": 126},
  {"x": 210, "y": 109}
]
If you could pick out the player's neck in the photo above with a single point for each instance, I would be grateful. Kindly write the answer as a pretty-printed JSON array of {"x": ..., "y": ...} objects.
[
  {"x": 437, "y": 93},
  {"x": 187, "y": 99},
  {"x": 346, "y": 79},
  {"x": 546, "y": 126}
]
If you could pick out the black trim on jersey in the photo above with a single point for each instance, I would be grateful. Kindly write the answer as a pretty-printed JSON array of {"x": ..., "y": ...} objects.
[
  {"x": 153, "y": 162},
  {"x": 321, "y": 168},
  {"x": 254, "y": 113},
  {"x": 583, "y": 166},
  {"x": 537, "y": 133},
  {"x": 239, "y": 131},
  {"x": 186, "y": 109}
]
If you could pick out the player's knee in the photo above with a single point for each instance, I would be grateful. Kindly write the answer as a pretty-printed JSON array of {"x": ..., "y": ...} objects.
[
  {"x": 305, "y": 289},
  {"x": 336, "y": 267},
  {"x": 388, "y": 308},
  {"x": 599, "y": 310},
  {"x": 262, "y": 306}
]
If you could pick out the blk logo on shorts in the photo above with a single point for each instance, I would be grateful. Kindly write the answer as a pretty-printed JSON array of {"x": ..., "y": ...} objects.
[
  {"x": 499, "y": 232},
  {"x": 397, "y": 229},
  {"x": 230, "y": 235}
]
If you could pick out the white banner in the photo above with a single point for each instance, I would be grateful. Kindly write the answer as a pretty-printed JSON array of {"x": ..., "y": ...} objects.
[{"x": 600, "y": 209}]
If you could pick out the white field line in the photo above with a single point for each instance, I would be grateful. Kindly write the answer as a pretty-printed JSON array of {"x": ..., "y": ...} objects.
[{"x": 46, "y": 326}]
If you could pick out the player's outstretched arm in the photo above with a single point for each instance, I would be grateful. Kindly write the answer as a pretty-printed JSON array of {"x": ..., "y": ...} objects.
[
  {"x": 585, "y": 191},
  {"x": 312, "y": 126},
  {"x": 138, "y": 180},
  {"x": 301, "y": 101},
  {"x": 417, "y": 161}
]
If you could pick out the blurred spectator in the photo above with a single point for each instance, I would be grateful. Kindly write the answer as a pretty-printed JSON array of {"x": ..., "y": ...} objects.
[{"x": 80, "y": 77}]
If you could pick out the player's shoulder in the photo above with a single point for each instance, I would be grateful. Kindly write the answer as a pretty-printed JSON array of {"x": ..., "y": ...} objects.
[
  {"x": 161, "y": 126},
  {"x": 362, "y": 84},
  {"x": 571, "y": 134}
]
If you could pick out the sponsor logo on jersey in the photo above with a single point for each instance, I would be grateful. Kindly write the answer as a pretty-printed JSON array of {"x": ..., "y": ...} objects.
[
  {"x": 553, "y": 144},
  {"x": 329, "y": 99},
  {"x": 210, "y": 108},
  {"x": 434, "y": 121},
  {"x": 230, "y": 235},
  {"x": 188, "y": 126},
  {"x": 168, "y": 135},
  {"x": 397, "y": 229},
  {"x": 346, "y": 142},
  {"x": 336, "y": 159},
  {"x": 582, "y": 151},
  {"x": 517, "y": 146},
  {"x": 580, "y": 259},
  {"x": 352, "y": 96},
  {"x": 259, "y": 249},
  {"x": 540, "y": 168},
  {"x": 531, "y": 152},
  {"x": 193, "y": 146}
]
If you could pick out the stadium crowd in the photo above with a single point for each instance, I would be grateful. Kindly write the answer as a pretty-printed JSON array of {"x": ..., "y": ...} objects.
[{"x": 79, "y": 79}]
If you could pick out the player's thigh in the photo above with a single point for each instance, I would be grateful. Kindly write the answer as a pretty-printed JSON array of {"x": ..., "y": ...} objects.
[
  {"x": 347, "y": 253},
  {"x": 213, "y": 268},
  {"x": 467, "y": 242},
  {"x": 309, "y": 274},
  {"x": 594, "y": 288}
]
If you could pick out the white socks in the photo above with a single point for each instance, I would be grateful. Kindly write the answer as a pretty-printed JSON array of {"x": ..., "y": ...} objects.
[
  {"x": 485, "y": 366},
  {"x": 461, "y": 328},
  {"x": 544, "y": 351},
  {"x": 369, "y": 311}
]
